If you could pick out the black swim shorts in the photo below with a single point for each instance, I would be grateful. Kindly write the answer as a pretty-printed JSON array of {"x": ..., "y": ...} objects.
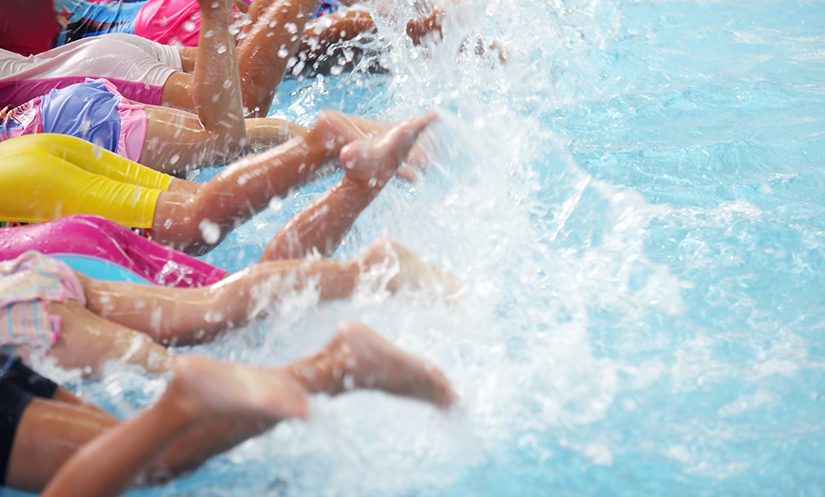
[{"x": 18, "y": 385}]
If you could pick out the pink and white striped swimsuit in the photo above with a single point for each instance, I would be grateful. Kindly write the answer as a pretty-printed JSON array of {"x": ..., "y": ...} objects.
[{"x": 27, "y": 285}]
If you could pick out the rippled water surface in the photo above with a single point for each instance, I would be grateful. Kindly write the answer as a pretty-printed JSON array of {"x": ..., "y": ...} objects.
[{"x": 635, "y": 203}]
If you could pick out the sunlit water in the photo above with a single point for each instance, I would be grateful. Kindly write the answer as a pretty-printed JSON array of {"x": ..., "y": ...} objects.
[{"x": 636, "y": 205}]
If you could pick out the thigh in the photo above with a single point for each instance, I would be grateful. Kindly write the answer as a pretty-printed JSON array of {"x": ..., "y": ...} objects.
[
  {"x": 88, "y": 341},
  {"x": 48, "y": 434},
  {"x": 263, "y": 133},
  {"x": 95, "y": 160},
  {"x": 176, "y": 141},
  {"x": 177, "y": 92},
  {"x": 188, "y": 55},
  {"x": 54, "y": 175}
]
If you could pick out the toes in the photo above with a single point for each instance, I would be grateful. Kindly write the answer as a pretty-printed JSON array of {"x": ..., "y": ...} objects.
[
  {"x": 441, "y": 393},
  {"x": 407, "y": 174}
]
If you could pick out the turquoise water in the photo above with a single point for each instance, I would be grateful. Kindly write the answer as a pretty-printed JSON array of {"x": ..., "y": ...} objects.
[{"x": 635, "y": 203}]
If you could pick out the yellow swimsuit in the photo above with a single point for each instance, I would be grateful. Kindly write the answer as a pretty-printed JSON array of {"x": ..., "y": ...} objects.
[{"x": 46, "y": 176}]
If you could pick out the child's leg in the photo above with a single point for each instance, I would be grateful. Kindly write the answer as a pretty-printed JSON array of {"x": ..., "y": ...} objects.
[
  {"x": 213, "y": 91},
  {"x": 188, "y": 56},
  {"x": 176, "y": 140},
  {"x": 197, "y": 222},
  {"x": 273, "y": 36},
  {"x": 87, "y": 341},
  {"x": 200, "y": 389},
  {"x": 322, "y": 34},
  {"x": 217, "y": 89},
  {"x": 359, "y": 358},
  {"x": 368, "y": 166},
  {"x": 318, "y": 46},
  {"x": 252, "y": 400},
  {"x": 267, "y": 132},
  {"x": 265, "y": 49},
  {"x": 184, "y": 316},
  {"x": 356, "y": 358},
  {"x": 50, "y": 431}
]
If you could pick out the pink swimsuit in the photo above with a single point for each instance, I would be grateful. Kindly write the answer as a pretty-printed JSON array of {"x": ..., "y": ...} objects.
[
  {"x": 170, "y": 22},
  {"x": 93, "y": 111},
  {"x": 107, "y": 240}
]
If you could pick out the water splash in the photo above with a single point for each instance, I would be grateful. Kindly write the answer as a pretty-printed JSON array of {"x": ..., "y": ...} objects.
[{"x": 643, "y": 307}]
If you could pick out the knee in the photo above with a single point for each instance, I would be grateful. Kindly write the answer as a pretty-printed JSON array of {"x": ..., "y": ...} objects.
[{"x": 228, "y": 141}]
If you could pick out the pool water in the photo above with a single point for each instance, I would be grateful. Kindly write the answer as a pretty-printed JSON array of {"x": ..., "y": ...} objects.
[{"x": 635, "y": 203}]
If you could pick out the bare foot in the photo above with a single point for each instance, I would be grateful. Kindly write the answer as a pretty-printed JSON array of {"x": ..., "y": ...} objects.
[
  {"x": 206, "y": 387},
  {"x": 372, "y": 162},
  {"x": 417, "y": 157},
  {"x": 365, "y": 358},
  {"x": 412, "y": 272},
  {"x": 334, "y": 130}
]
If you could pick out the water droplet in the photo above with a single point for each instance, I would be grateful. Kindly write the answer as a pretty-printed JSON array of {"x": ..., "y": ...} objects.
[
  {"x": 213, "y": 316},
  {"x": 210, "y": 232},
  {"x": 221, "y": 49}
]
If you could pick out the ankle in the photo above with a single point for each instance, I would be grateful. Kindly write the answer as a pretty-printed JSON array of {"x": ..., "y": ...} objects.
[
  {"x": 314, "y": 373},
  {"x": 320, "y": 140},
  {"x": 175, "y": 407}
]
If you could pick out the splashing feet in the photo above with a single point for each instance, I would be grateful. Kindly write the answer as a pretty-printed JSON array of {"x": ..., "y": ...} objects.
[
  {"x": 335, "y": 130},
  {"x": 367, "y": 360},
  {"x": 372, "y": 162},
  {"x": 410, "y": 270}
]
